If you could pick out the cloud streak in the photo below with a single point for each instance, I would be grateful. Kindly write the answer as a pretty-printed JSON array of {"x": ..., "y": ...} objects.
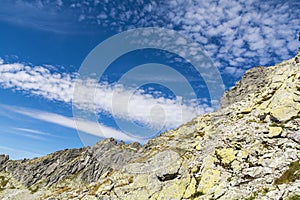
[
  {"x": 41, "y": 15},
  {"x": 34, "y": 134},
  {"x": 117, "y": 100},
  {"x": 17, "y": 153},
  {"x": 88, "y": 127},
  {"x": 28, "y": 133}
]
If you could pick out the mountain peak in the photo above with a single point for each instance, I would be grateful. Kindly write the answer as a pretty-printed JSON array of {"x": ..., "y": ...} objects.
[{"x": 249, "y": 149}]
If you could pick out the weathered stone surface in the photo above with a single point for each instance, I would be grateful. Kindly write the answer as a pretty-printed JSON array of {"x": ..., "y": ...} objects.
[
  {"x": 227, "y": 155},
  {"x": 252, "y": 81},
  {"x": 275, "y": 131},
  {"x": 3, "y": 159}
]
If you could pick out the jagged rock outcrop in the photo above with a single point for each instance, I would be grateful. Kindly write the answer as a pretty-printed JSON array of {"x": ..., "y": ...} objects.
[
  {"x": 3, "y": 159},
  {"x": 249, "y": 149},
  {"x": 86, "y": 164},
  {"x": 252, "y": 81}
]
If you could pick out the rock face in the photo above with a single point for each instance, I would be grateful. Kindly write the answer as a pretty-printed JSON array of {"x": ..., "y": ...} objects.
[
  {"x": 249, "y": 149},
  {"x": 252, "y": 81},
  {"x": 3, "y": 159}
]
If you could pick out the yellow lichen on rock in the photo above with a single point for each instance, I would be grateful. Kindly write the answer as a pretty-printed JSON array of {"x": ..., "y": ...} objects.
[
  {"x": 243, "y": 154},
  {"x": 284, "y": 113},
  {"x": 198, "y": 147},
  {"x": 236, "y": 166},
  {"x": 140, "y": 181},
  {"x": 175, "y": 190},
  {"x": 191, "y": 189},
  {"x": 209, "y": 177},
  {"x": 247, "y": 110},
  {"x": 227, "y": 155},
  {"x": 195, "y": 169},
  {"x": 104, "y": 187},
  {"x": 220, "y": 190},
  {"x": 137, "y": 194},
  {"x": 209, "y": 180},
  {"x": 283, "y": 107},
  {"x": 275, "y": 131}
]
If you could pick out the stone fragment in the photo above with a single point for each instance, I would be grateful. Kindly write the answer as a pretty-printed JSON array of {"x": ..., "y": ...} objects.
[
  {"x": 227, "y": 155},
  {"x": 274, "y": 131},
  {"x": 3, "y": 159}
]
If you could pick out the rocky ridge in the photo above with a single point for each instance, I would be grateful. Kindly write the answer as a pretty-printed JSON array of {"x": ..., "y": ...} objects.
[{"x": 249, "y": 149}]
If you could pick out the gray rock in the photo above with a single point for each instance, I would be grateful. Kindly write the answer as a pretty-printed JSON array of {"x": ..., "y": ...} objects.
[
  {"x": 3, "y": 159},
  {"x": 88, "y": 163},
  {"x": 253, "y": 80},
  {"x": 256, "y": 172}
]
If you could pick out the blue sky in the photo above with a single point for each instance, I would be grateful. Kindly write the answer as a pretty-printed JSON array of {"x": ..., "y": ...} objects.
[{"x": 44, "y": 43}]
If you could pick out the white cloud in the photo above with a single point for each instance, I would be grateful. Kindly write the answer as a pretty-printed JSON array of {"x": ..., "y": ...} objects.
[
  {"x": 31, "y": 133},
  {"x": 235, "y": 34},
  {"x": 88, "y": 127},
  {"x": 259, "y": 28},
  {"x": 37, "y": 80},
  {"x": 121, "y": 102},
  {"x": 17, "y": 153},
  {"x": 59, "y": 2},
  {"x": 135, "y": 105},
  {"x": 236, "y": 72},
  {"x": 32, "y": 136},
  {"x": 41, "y": 15}
]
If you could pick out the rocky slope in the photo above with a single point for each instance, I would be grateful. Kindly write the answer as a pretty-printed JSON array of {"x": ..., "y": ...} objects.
[{"x": 249, "y": 149}]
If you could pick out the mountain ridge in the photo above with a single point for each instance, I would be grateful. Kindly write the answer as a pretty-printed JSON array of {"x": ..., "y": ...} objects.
[{"x": 248, "y": 149}]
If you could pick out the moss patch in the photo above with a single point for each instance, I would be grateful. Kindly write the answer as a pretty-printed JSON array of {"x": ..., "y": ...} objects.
[
  {"x": 294, "y": 197},
  {"x": 3, "y": 182},
  {"x": 34, "y": 189},
  {"x": 264, "y": 191},
  {"x": 62, "y": 190},
  {"x": 290, "y": 175},
  {"x": 252, "y": 197},
  {"x": 197, "y": 194}
]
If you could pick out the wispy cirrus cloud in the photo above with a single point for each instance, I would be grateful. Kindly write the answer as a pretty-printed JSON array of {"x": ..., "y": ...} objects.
[
  {"x": 17, "y": 153},
  {"x": 88, "y": 127},
  {"x": 32, "y": 133},
  {"x": 27, "y": 130},
  {"x": 41, "y": 15},
  {"x": 28, "y": 133},
  {"x": 117, "y": 100}
]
